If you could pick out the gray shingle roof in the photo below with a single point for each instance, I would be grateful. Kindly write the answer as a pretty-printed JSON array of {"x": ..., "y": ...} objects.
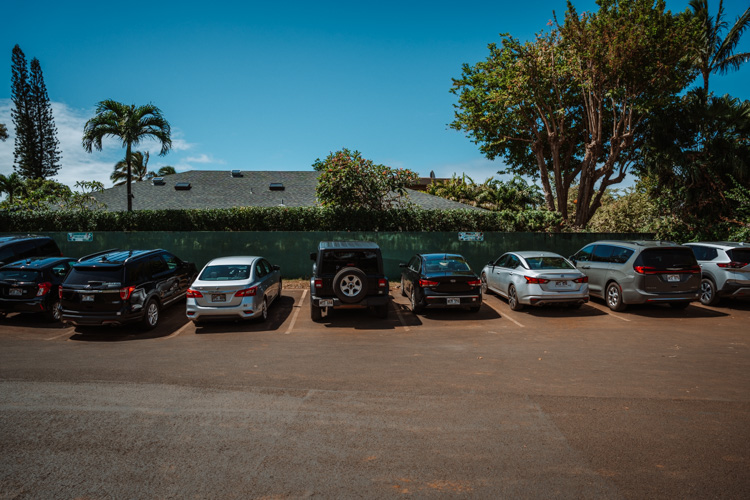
[{"x": 219, "y": 189}]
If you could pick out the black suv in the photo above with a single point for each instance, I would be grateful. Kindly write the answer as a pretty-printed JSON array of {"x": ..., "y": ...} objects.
[
  {"x": 16, "y": 247},
  {"x": 124, "y": 286},
  {"x": 31, "y": 286},
  {"x": 348, "y": 274}
]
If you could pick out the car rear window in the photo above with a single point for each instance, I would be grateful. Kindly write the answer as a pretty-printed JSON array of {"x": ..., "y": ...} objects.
[
  {"x": 739, "y": 255},
  {"x": 666, "y": 258},
  {"x": 548, "y": 263},
  {"x": 19, "y": 275},
  {"x": 85, "y": 275},
  {"x": 226, "y": 272},
  {"x": 334, "y": 260},
  {"x": 449, "y": 263}
]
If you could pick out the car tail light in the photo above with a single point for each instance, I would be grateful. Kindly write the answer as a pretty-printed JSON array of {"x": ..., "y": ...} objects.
[
  {"x": 652, "y": 270},
  {"x": 535, "y": 281},
  {"x": 732, "y": 265},
  {"x": 193, "y": 294},
  {"x": 247, "y": 292},
  {"x": 126, "y": 292},
  {"x": 582, "y": 279},
  {"x": 318, "y": 283},
  {"x": 382, "y": 283},
  {"x": 44, "y": 288},
  {"x": 59, "y": 292},
  {"x": 474, "y": 283},
  {"x": 427, "y": 283}
]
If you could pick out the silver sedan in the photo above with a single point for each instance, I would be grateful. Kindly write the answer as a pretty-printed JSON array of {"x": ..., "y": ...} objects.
[
  {"x": 234, "y": 288},
  {"x": 535, "y": 278}
]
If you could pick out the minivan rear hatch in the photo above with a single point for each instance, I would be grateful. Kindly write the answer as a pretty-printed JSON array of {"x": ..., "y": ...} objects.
[{"x": 668, "y": 270}]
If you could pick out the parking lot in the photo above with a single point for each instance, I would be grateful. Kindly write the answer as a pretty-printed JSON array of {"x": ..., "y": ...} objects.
[{"x": 648, "y": 403}]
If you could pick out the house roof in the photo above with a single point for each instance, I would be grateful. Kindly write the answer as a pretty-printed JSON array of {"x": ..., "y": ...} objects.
[{"x": 223, "y": 189}]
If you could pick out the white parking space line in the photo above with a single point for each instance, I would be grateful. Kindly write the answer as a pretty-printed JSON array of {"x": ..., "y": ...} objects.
[
  {"x": 607, "y": 310},
  {"x": 400, "y": 316},
  {"x": 503, "y": 315},
  {"x": 68, "y": 334},
  {"x": 296, "y": 312}
]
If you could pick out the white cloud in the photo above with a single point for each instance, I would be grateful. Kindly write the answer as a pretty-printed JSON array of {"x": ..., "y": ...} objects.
[{"x": 204, "y": 158}]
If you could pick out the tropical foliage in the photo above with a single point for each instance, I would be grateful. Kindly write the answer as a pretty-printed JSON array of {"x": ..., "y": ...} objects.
[
  {"x": 131, "y": 124},
  {"x": 39, "y": 195},
  {"x": 492, "y": 194},
  {"x": 348, "y": 180}
]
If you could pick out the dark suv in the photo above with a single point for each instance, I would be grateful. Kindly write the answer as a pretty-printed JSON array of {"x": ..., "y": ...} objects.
[
  {"x": 16, "y": 247},
  {"x": 31, "y": 286},
  {"x": 348, "y": 274},
  {"x": 124, "y": 286}
]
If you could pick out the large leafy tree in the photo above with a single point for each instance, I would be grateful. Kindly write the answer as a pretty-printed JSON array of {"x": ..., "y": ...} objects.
[
  {"x": 696, "y": 159},
  {"x": 568, "y": 107},
  {"x": 36, "y": 151},
  {"x": 131, "y": 124},
  {"x": 713, "y": 53},
  {"x": 349, "y": 180}
]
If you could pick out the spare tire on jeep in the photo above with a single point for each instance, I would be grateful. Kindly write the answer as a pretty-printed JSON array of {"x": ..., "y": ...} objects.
[{"x": 350, "y": 285}]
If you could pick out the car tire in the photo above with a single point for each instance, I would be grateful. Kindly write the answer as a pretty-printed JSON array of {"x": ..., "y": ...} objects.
[
  {"x": 350, "y": 285},
  {"x": 54, "y": 313},
  {"x": 416, "y": 304},
  {"x": 708, "y": 295},
  {"x": 613, "y": 297},
  {"x": 381, "y": 311},
  {"x": 150, "y": 315},
  {"x": 316, "y": 313},
  {"x": 513, "y": 302},
  {"x": 679, "y": 305},
  {"x": 403, "y": 289},
  {"x": 263, "y": 310}
]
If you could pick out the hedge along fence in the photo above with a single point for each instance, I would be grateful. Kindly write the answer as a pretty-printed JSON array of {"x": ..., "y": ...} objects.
[{"x": 281, "y": 219}]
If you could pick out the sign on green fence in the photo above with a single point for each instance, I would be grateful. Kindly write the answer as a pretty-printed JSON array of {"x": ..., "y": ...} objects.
[{"x": 80, "y": 236}]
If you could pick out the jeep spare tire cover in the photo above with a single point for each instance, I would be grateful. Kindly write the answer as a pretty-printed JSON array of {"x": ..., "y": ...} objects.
[{"x": 350, "y": 285}]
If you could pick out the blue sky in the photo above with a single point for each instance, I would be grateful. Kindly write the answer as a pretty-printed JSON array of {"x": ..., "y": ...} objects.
[{"x": 273, "y": 86}]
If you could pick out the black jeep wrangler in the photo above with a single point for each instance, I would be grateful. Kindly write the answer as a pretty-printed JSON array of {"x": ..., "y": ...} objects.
[{"x": 348, "y": 274}]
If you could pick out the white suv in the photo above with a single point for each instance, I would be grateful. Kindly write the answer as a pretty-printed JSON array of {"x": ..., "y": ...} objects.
[{"x": 725, "y": 270}]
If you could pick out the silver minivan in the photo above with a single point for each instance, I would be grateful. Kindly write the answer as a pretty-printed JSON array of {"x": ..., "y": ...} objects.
[{"x": 637, "y": 272}]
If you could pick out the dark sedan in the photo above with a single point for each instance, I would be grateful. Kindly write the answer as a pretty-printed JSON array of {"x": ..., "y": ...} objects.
[
  {"x": 31, "y": 286},
  {"x": 440, "y": 280}
]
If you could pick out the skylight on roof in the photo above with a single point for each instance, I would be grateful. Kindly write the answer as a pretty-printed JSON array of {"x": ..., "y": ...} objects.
[
  {"x": 182, "y": 186},
  {"x": 276, "y": 186}
]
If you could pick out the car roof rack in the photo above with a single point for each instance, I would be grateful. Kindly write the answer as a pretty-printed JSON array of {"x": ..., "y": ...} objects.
[{"x": 96, "y": 254}]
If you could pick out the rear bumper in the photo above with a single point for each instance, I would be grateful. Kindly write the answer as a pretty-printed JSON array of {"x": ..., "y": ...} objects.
[
  {"x": 641, "y": 297},
  {"x": 244, "y": 310},
  {"x": 469, "y": 300},
  {"x": 84, "y": 319},
  {"x": 35, "y": 305},
  {"x": 734, "y": 289},
  {"x": 371, "y": 301},
  {"x": 546, "y": 300}
]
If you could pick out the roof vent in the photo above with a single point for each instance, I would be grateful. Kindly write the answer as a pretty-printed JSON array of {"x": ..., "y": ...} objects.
[
  {"x": 182, "y": 186},
  {"x": 158, "y": 181},
  {"x": 276, "y": 186},
  {"x": 236, "y": 173}
]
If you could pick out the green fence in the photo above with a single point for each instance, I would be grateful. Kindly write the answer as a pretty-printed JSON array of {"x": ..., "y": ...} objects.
[{"x": 291, "y": 250}]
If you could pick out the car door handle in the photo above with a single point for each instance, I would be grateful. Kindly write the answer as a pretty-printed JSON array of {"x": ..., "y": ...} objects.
[{"x": 585, "y": 267}]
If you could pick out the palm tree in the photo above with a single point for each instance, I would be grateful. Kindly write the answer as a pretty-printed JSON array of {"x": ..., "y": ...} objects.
[
  {"x": 11, "y": 184},
  {"x": 165, "y": 170},
  {"x": 714, "y": 54},
  {"x": 130, "y": 124},
  {"x": 139, "y": 166}
]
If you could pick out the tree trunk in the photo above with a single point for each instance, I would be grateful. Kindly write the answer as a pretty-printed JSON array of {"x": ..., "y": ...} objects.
[{"x": 130, "y": 178}]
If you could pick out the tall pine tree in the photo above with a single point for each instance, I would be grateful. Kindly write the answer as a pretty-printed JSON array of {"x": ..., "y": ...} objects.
[
  {"x": 36, "y": 151},
  {"x": 47, "y": 162}
]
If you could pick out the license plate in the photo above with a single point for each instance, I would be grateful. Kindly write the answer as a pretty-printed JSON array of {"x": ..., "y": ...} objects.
[
  {"x": 87, "y": 298},
  {"x": 15, "y": 291},
  {"x": 563, "y": 284},
  {"x": 325, "y": 303},
  {"x": 452, "y": 301},
  {"x": 218, "y": 297},
  {"x": 673, "y": 278}
]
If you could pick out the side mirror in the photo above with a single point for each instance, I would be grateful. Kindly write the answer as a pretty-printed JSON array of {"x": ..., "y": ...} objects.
[
  {"x": 490, "y": 263},
  {"x": 314, "y": 256},
  {"x": 572, "y": 259},
  {"x": 276, "y": 268}
]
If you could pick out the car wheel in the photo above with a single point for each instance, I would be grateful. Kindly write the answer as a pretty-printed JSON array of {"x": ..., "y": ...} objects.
[
  {"x": 679, "y": 305},
  {"x": 54, "y": 313},
  {"x": 381, "y": 311},
  {"x": 316, "y": 313},
  {"x": 614, "y": 297},
  {"x": 708, "y": 296},
  {"x": 513, "y": 302},
  {"x": 403, "y": 290},
  {"x": 483, "y": 278},
  {"x": 263, "y": 310},
  {"x": 416, "y": 304},
  {"x": 350, "y": 285},
  {"x": 150, "y": 315}
]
